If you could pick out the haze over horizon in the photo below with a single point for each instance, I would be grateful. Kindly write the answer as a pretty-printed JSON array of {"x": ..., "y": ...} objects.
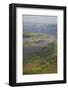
[{"x": 40, "y": 19}]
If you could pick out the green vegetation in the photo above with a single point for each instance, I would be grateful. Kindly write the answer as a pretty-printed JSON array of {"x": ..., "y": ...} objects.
[{"x": 43, "y": 61}]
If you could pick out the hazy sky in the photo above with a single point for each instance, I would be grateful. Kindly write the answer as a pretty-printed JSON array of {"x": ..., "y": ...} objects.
[{"x": 40, "y": 19}]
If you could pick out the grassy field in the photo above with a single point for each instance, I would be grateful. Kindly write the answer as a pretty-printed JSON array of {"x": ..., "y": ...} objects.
[{"x": 43, "y": 61}]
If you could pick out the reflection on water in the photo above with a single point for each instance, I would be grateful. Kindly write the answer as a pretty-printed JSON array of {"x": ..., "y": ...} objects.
[{"x": 35, "y": 48}]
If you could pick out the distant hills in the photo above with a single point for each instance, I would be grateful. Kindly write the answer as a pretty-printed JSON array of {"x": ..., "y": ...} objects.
[{"x": 43, "y": 28}]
